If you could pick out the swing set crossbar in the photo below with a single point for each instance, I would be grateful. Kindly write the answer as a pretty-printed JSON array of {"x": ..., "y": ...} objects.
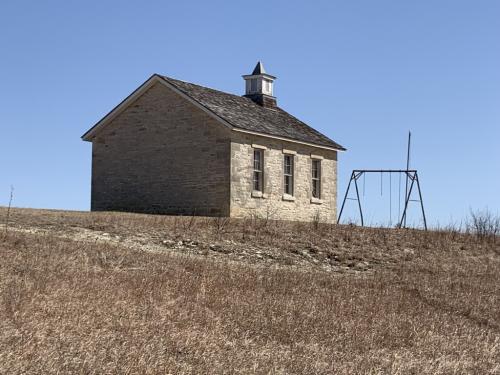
[
  {"x": 411, "y": 175},
  {"x": 384, "y": 170}
]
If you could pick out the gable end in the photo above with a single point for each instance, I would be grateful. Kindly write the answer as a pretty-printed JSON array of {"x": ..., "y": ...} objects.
[{"x": 136, "y": 94}]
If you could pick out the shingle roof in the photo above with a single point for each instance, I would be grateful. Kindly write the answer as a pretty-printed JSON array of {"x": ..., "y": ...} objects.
[{"x": 245, "y": 114}]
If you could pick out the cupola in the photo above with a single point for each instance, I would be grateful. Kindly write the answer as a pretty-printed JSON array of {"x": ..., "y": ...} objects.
[{"x": 259, "y": 86}]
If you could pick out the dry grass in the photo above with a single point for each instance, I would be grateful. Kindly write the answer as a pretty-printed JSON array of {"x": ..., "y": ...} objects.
[{"x": 122, "y": 293}]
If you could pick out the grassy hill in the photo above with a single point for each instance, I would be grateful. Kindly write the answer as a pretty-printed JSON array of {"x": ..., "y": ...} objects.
[{"x": 124, "y": 293}]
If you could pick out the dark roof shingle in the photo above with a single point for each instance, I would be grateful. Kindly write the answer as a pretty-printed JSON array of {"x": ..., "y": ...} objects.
[{"x": 244, "y": 114}]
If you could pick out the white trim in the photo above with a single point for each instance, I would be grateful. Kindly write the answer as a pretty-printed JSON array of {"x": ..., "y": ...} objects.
[
  {"x": 254, "y": 145},
  {"x": 286, "y": 139},
  {"x": 288, "y": 197},
  {"x": 251, "y": 76},
  {"x": 317, "y": 157},
  {"x": 289, "y": 152},
  {"x": 316, "y": 201}
]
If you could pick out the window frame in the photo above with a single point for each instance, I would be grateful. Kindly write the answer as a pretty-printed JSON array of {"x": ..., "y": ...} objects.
[
  {"x": 317, "y": 179},
  {"x": 253, "y": 85},
  {"x": 258, "y": 171},
  {"x": 290, "y": 175},
  {"x": 268, "y": 87}
]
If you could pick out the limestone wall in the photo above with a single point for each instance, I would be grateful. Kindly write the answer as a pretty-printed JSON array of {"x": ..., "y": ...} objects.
[
  {"x": 273, "y": 203},
  {"x": 162, "y": 155}
]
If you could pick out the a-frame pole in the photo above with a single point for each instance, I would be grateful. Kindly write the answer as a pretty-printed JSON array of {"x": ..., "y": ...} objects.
[
  {"x": 403, "y": 218},
  {"x": 345, "y": 197},
  {"x": 421, "y": 201},
  {"x": 357, "y": 195}
]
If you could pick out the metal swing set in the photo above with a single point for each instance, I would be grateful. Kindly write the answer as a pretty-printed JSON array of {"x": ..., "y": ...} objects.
[{"x": 411, "y": 177}]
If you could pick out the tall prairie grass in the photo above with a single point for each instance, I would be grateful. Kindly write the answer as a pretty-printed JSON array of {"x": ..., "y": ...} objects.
[{"x": 430, "y": 304}]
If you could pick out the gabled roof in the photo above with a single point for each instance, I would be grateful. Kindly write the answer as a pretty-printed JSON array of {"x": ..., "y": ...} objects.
[
  {"x": 237, "y": 112},
  {"x": 243, "y": 113}
]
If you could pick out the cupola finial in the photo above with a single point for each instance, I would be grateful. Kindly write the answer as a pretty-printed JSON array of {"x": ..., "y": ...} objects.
[
  {"x": 259, "y": 69},
  {"x": 259, "y": 86}
]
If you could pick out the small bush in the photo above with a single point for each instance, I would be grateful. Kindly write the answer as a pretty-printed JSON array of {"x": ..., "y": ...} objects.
[
  {"x": 219, "y": 224},
  {"x": 484, "y": 224}
]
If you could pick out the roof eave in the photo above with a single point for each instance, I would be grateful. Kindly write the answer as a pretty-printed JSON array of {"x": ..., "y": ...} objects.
[
  {"x": 310, "y": 144},
  {"x": 90, "y": 134},
  {"x": 247, "y": 76}
]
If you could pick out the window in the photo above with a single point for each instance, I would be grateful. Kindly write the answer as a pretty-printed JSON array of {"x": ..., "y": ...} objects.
[
  {"x": 268, "y": 87},
  {"x": 288, "y": 174},
  {"x": 316, "y": 179},
  {"x": 253, "y": 85},
  {"x": 258, "y": 162}
]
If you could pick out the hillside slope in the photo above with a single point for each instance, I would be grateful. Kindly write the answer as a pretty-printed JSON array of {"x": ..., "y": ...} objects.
[{"x": 124, "y": 293}]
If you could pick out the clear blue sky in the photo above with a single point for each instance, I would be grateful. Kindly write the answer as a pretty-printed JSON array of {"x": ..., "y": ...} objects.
[{"x": 362, "y": 72}]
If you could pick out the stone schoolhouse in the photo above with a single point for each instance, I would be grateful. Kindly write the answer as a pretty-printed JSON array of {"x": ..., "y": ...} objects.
[{"x": 173, "y": 147}]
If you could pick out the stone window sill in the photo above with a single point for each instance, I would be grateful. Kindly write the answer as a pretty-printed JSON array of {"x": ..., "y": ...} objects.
[
  {"x": 289, "y": 198},
  {"x": 258, "y": 194},
  {"x": 316, "y": 201}
]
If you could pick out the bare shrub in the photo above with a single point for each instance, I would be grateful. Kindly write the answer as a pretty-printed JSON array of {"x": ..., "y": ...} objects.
[
  {"x": 220, "y": 224},
  {"x": 189, "y": 224},
  {"x": 259, "y": 224},
  {"x": 484, "y": 224},
  {"x": 316, "y": 220},
  {"x": 270, "y": 214}
]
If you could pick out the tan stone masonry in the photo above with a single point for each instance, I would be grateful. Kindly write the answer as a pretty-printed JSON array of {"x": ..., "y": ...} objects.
[{"x": 163, "y": 154}]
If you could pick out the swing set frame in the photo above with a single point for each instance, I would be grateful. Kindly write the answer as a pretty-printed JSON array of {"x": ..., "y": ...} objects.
[{"x": 411, "y": 175}]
